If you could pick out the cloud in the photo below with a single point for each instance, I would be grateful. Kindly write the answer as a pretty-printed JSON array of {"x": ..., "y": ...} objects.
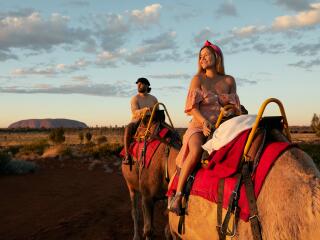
[
  {"x": 153, "y": 49},
  {"x": 304, "y": 49},
  {"x": 83, "y": 79},
  {"x": 4, "y": 55},
  {"x": 269, "y": 48},
  {"x": 149, "y": 15},
  {"x": 227, "y": 9},
  {"x": 104, "y": 90},
  {"x": 34, "y": 32},
  {"x": 78, "y": 3},
  {"x": 52, "y": 70},
  {"x": 24, "y": 12},
  {"x": 204, "y": 34},
  {"x": 244, "y": 81},
  {"x": 171, "y": 76},
  {"x": 296, "y": 5},
  {"x": 302, "y": 19},
  {"x": 306, "y": 64},
  {"x": 112, "y": 31}
]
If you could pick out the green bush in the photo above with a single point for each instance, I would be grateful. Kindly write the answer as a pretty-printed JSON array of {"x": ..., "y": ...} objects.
[
  {"x": 8, "y": 166},
  {"x": 88, "y": 136},
  {"x": 315, "y": 124}
]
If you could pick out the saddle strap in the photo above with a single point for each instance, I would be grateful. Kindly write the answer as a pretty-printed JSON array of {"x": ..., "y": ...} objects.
[
  {"x": 219, "y": 207},
  {"x": 186, "y": 193},
  {"x": 254, "y": 220}
]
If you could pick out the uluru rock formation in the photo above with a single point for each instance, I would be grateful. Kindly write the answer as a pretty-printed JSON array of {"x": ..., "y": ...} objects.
[{"x": 48, "y": 123}]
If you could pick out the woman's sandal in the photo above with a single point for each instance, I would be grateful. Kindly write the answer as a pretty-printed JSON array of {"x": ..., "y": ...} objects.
[{"x": 173, "y": 201}]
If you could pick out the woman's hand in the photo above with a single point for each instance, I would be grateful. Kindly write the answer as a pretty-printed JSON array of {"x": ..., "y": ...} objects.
[{"x": 206, "y": 127}]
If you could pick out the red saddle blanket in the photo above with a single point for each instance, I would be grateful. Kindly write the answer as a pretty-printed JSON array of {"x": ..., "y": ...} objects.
[
  {"x": 136, "y": 148},
  {"x": 224, "y": 164}
]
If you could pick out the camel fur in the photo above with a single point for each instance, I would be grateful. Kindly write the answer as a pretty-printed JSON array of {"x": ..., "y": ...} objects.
[{"x": 288, "y": 205}]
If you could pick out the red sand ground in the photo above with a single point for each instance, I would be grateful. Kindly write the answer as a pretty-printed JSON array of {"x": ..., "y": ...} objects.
[{"x": 68, "y": 202}]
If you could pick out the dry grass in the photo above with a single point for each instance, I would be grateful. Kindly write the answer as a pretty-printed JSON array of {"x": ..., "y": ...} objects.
[{"x": 72, "y": 137}]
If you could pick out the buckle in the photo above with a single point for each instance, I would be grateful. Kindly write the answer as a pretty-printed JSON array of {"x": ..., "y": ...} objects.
[
  {"x": 254, "y": 216},
  {"x": 191, "y": 177}
]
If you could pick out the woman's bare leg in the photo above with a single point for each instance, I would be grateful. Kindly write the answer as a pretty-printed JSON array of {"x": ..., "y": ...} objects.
[{"x": 195, "y": 151}]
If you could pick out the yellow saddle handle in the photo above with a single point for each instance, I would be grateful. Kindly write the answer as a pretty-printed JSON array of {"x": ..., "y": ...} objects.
[
  {"x": 258, "y": 118},
  {"x": 155, "y": 107}
]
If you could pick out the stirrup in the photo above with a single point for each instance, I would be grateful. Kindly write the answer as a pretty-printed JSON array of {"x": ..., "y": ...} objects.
[{"x": 127, "y": 160}]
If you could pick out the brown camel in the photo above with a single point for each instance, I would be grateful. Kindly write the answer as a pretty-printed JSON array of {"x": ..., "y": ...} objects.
[
  {"x": 288, "y": 205},
  {"x": 151, "y": 184}
]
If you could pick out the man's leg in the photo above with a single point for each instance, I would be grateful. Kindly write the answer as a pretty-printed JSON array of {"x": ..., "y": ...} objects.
[{"x": 128, "y": 131}]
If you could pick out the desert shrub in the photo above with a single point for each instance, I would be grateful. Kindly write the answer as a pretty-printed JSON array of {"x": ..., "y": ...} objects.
[
  {"x": 315, "y": 124},
  {"x": 37, "y": 146},
  {"x": 14, "y": 149},
  {"x": 81, "y": 137},
  {"x": 313, "y": 150},
  {"x": 66, "y": 152},
  {"x": 4, "y": 159},
  {"x": 8, "y": 166},
  {"x": 88, "y": 136},
  {"x": 108, "y": 149},
  {"x": 101, "y": 140},
  {"x": 57, "y": 135}
]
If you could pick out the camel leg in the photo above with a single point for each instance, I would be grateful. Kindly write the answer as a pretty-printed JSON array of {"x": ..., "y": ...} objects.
[
  {"x": 167, "y": 232},
  {"x": 147, "y": 207},
  {"x": 135, "y": 213}
]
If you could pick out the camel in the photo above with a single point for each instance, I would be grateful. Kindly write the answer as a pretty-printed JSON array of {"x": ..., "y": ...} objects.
[
  {"x": 151, "y": 184},
  {"x": 288, "y": 205}
]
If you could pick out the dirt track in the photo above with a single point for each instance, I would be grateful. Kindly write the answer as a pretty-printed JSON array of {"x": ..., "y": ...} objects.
[{"x": 68, "y": 202}]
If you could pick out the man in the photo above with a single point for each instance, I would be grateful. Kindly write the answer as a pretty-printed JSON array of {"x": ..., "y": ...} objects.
[{"x": 140, "y": 104}]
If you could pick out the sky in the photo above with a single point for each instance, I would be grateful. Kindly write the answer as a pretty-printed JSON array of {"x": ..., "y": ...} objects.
[{"x": 79, "y": 59}]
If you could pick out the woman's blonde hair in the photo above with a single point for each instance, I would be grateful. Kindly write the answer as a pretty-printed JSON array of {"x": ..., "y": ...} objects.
[{"x": 219, "y": 66}]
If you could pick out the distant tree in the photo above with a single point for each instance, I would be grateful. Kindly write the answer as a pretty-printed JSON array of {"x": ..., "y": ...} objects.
[
  {"x": 81, "y": 137},
  {"x": 88, "y": 136},
  {"x": 315, "y": 124},
  {"x": 57, "y": 135}
]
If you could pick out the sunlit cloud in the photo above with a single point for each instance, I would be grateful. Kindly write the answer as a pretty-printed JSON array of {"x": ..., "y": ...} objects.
[
  {"x": 302, "y": 19},
  {"x": 149, "y": 15},
  {"x": 34, "y": 32}
]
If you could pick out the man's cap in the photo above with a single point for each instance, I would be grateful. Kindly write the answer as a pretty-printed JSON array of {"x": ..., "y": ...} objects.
[{"x": 143, "y": 80}]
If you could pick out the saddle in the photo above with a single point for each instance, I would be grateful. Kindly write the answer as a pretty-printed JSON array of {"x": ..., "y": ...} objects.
[{"x": 263, "y": 130}]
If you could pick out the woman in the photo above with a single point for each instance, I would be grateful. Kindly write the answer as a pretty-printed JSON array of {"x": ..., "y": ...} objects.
[{"x": 210, "y": 89}]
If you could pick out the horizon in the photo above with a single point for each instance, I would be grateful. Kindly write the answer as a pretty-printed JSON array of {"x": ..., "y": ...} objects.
[{"x": 80, "y": 59}]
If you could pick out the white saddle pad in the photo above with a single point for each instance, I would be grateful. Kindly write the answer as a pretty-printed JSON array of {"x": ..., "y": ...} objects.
[{"x": 227, "y": 131}]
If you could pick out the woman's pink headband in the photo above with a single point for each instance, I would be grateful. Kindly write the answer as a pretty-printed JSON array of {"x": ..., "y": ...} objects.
[{"x": 214, "y": 47}]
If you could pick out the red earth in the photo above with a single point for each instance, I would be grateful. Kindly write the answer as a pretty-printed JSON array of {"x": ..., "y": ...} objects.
[{"x": 68, "y": 201}]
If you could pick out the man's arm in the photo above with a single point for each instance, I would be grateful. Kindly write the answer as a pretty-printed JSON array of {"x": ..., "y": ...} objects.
[{"x": 135, "y": 108}]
